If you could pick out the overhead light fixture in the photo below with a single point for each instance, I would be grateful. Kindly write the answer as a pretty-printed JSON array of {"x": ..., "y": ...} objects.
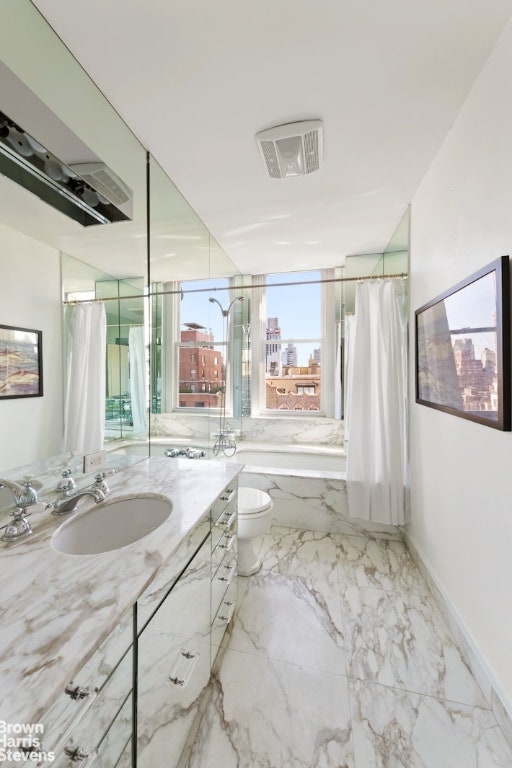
[
  {"x": 292, "y": 149},
  {"x": 27, "y": 162}
]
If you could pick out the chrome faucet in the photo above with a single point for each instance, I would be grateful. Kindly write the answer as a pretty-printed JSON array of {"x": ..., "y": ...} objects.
[
  {"x": 68, "y": 502},
  {"x": 23, "y": 497}
]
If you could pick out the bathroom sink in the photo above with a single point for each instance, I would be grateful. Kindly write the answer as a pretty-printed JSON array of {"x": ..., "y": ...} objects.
[{"x": 111, "y": 525}]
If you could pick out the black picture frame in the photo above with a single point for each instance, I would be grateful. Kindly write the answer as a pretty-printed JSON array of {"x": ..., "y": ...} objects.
[
  {"x": 463, "y": 348},
  {"x": 21, "y": 362}
]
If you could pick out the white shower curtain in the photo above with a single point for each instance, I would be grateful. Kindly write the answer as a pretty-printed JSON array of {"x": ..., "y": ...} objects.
[
  {"x": 136, "y": 351},
  {"x": 85, "y": 397},
  {"x": 376, "y": 456},
  {"x": 337, "y": 376},
  {"x": 347, "y": 374}
]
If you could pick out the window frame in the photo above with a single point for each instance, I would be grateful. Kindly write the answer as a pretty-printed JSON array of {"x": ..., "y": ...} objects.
[{"x": 327, "y": 344}]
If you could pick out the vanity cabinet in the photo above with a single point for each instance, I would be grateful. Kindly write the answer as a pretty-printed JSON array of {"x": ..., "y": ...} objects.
[
  {"x": 91, "y": 720},
  {"x": 137, "y": 700},
  {"x": 178, "y": 644},
  {"x": 174, "y": 665},
  {"x": 224, "y": 518}
]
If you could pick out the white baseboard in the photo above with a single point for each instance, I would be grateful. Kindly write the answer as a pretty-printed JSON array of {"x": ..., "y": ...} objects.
[{"x": 499, "y": 703}]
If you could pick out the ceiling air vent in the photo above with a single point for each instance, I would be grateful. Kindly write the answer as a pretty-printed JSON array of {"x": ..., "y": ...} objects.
[
  {"x": 103, "y": 179},
  {"x": 293, "y": 149}
]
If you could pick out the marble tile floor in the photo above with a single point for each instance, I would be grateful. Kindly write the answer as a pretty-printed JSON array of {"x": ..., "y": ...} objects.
[{"x": 339, "y": 658}]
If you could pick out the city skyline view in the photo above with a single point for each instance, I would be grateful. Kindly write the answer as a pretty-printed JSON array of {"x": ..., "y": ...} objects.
[{"x": 298, "y": 308}]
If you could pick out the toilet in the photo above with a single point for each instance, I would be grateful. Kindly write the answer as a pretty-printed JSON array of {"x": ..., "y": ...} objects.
[{"x": 254, "y": 508}]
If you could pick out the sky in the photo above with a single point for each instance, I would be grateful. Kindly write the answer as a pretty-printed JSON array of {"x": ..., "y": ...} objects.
[
  {"x": 474, "y": 307},
  {"x": 298, "y": 308}
]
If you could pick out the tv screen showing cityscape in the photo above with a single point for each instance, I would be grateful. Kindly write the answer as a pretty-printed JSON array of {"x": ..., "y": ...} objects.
[{"x": 463, "y": 348}]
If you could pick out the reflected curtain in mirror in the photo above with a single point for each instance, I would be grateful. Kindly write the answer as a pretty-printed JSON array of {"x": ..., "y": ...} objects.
[
  {"x": 85, "y": 394},
  {"x": 136, "y": 350}
]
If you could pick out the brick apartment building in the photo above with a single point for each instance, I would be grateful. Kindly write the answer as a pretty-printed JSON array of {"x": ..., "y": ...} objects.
[{"x": 201, "y": 369}]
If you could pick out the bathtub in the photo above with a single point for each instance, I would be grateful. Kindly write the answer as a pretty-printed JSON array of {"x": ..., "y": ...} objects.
[
  {"x": 308, "y": 488},
  {"x": 300, "y": 460},
  {"x": 307, "y": 483}
]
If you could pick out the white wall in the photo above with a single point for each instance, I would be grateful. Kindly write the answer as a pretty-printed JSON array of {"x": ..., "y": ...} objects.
[
  {"x": 32, "y": 428},
  {"x": 461, "y": 472}
]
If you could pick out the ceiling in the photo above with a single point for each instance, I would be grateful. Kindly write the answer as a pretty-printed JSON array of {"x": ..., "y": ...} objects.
[{"x": 196, "y": 81}]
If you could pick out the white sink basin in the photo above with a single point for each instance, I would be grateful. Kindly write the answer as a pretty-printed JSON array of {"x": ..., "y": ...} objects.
[{"x": 111, "y": 525}]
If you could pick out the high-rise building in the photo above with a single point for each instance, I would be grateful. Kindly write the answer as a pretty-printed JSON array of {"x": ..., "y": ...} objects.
[
  {"x": 289, "y": 356},
  {"x": 273, "y": 350}
]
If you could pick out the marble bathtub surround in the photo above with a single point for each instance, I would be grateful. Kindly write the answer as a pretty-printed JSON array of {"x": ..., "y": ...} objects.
[
  {"x": 312, "y": 500},
  {"x": 57, "y": 609},
  {"x": 339, "y": 658},
  {"x": 264, "y": 429}
]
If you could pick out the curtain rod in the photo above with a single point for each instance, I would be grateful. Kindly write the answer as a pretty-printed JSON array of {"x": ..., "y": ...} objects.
[{"x": 359, "y": 278}]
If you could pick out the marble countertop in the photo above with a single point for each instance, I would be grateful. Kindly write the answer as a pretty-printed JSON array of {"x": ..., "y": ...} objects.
[{"x": 56, "y": 609}]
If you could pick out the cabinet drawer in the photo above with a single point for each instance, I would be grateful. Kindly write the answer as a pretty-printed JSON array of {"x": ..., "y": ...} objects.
[
  {"x": 125, "y": 759},
  {"x": 102, "y": 732},
  {"x": 81, "y": 692},
  {"x": 224, "y": 549},
  {"x": 225, "y": 575},
  {"x": 223, "y": 617},
  {"x": 169, "y": 574},
  {"x": 224, "y": 519},
  {"x": 174, "y": 666},
  {"x": 116, "y": 748}
]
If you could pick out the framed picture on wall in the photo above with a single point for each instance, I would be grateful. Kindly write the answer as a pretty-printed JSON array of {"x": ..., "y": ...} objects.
[
  {"x": 21, "y": 362},
  {"x": 463, "y": 348}
]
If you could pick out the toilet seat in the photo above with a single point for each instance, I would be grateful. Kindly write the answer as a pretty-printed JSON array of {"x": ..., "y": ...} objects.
[{"x": 252, "y": 501}]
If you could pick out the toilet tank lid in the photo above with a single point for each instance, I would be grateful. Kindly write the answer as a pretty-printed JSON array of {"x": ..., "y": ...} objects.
[{"x": 252, "y": 500}]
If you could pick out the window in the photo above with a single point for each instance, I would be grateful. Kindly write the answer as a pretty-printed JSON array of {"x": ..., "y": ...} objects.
[
  {"x": 279, "y": 336},
  {"x": 200, "y": 338},
  {"x": 303, "y": 389},
  {"x": 293, "y": 341}
]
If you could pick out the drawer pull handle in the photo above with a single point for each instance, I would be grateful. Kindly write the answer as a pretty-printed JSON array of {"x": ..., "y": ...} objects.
[
  {"x": 183, "y": 667},
  {"x": 228, "y": 494},
  {"x": 228, "y": 544},
  {"x": 76, "y": 692},
  {"x": 229, "y": 613},
  {"x": 232, "y": 573},
  {"x": 76, "y": 754},
  {"x": 226, "y": 524}
]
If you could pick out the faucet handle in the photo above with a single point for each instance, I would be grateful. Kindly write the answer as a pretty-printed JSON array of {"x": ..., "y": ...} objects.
[
  {"x": 30, "y": 494},
  {"x": 19, "y": 527},
  {"x": 100, "y": 481},
  {"x": 67, "y": 483}
]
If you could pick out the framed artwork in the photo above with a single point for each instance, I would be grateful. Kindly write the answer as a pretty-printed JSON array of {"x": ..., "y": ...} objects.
[
  {"x": 21, "y": 362},
  {"x": 463, "y": 348}
]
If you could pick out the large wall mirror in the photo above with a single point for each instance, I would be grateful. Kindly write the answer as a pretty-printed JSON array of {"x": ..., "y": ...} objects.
[
  {"x": 189, "y": 335},
  {"x": 54, "y": 117},
  {"x": 52, "y": 111}
]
